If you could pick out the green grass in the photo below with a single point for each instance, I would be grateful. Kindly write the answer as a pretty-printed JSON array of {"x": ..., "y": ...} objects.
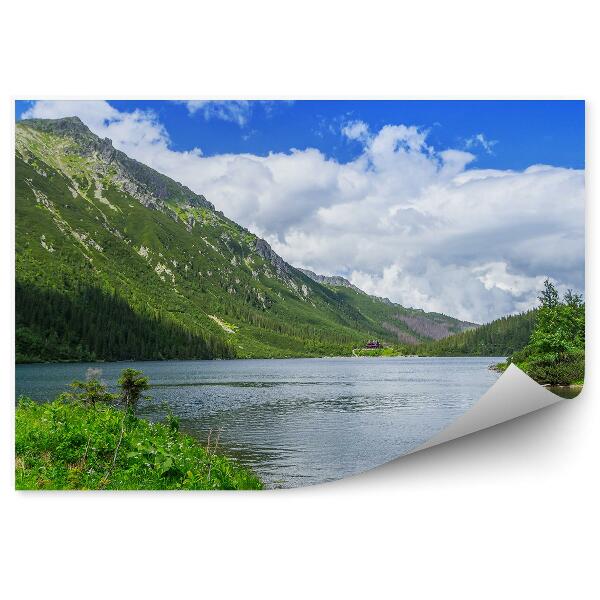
[
  {"x": 388, "y": 351},
  {"x": 70, "y": 446}
]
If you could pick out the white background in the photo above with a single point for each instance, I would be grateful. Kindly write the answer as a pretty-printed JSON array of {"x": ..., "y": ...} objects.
[{"x": 507, "y": 513}]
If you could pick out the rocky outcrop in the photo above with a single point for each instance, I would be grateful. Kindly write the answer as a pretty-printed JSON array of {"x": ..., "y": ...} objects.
[
  {"x": 334, "y": 280},
  {"x": 69, "y": 126},
  {"x": 264, "y": 250},
  {"x": 141, "y": 181}
]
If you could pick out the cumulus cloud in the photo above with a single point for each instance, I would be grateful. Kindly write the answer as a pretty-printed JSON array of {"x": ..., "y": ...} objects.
[
  {"x": 129, "y": 131},
  {"x": 356, "y": 130},
  {"x": 235, "y": 111},
  {"x": 404, "y": 220}
]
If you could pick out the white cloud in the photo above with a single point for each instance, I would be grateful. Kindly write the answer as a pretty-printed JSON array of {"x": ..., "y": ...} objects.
[
  {"x": 403, "y": 220},
  {"x": 356, "y": 130},
  {"x": 480, "y": 140},
  {"x": 235, "y": 111},
  {"x": 93, "y": 112},
  {"x": 129, "y": 131}
]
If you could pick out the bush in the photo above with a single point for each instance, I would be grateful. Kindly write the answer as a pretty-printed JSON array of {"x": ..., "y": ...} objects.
[
  {"x": 555, "y": 354},
  {"x": 71, "y": 445},
  {"x": 564, "y": 372}
]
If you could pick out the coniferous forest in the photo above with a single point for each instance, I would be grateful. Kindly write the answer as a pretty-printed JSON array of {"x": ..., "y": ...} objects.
[
  {"x": 91, "y": 325},
  {"x": 501, "y": 337}
]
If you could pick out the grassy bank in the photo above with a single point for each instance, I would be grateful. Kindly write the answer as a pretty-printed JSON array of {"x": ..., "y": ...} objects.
[
  {"x": 71, "y": 445},
  {"x": 387, "y": 351}
]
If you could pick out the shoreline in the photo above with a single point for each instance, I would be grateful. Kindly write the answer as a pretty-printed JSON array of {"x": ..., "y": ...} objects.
[{"x": 159, "y": 360}]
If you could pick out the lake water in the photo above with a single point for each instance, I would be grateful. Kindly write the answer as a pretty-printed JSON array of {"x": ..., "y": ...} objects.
[{"x": 298, "y": 421}]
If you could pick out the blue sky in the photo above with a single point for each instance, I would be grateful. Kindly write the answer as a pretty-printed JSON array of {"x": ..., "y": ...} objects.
[
  {"x": 522, "y": 132},
  {"x": 451, "y": 206}
]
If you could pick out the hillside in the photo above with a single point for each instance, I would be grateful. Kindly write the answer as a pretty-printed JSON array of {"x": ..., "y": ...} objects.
[
  {"x": 115, "y": 260},
  {"x": 501, "y": 337},
  {"x": 404, "y": 325}
]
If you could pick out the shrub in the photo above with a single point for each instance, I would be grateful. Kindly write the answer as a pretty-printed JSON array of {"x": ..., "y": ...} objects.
[
  {"x": 132, "y": 384},
  {"x": 563, "y": 372},
  {"x": 555, "y": 354}
]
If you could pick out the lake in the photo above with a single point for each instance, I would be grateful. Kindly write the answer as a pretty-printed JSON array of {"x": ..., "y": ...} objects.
[{"x": 297, "y": 421}]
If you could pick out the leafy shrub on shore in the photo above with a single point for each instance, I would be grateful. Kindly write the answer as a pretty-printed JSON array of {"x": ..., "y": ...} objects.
[
  {"x": 71, "y": 445},
  {"x": 568, "y": 372},
  {"x": 555, "y": 353}
]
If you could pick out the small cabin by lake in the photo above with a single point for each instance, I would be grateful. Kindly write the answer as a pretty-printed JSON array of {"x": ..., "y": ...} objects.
[{"x": 373, "y": 345}]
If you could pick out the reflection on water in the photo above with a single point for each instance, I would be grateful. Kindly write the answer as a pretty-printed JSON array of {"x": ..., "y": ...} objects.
[
  {"x": 566, "y": 391},
  {"x": 298, "y": 421}
]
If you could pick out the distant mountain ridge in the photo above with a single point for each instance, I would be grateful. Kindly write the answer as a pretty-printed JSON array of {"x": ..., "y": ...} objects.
[
  {"x": 333, "y": 280},
  {"x": 431, "y": 325},
  {"x": 97, "y": 228}
]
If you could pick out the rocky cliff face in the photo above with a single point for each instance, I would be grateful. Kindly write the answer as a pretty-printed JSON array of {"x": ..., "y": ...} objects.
[
  {"x": 139, "y": 180},
  {"x": 264, "y": 250}
]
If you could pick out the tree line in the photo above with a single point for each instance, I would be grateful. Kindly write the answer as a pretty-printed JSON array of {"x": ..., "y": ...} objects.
[
  {"x": 90, "y": 324},
  {"x": 501, "y": 337}
]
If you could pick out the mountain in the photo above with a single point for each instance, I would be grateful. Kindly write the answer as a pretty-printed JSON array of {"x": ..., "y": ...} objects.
[
  {"x": 407, "y": 325},
  {"x": 115, "y": 260},
  {"x": 338, "y": 281},
  {"x": 501, "y": 337},
  {"x": 331, "y": 280}
]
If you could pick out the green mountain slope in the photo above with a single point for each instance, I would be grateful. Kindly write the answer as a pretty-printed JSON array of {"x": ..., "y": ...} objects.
[
  {"x": 501, "y": 337},
  {"x": 407, "y": 326},
  {"x": 115, "y": 261}
]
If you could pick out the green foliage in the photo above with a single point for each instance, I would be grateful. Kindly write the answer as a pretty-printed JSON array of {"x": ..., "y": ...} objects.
[
  {"x": 87, "y": 324},
  {"x": 569, "y": 370},
  {"x": 560, "y": 326},
  {"x": 92, "y": 392},
  {"x": 501, "y": 337},
  {"x": 62, "y": 445},
  {"x": 555, "y": 353},
  {"x": 132, "y": 383}
]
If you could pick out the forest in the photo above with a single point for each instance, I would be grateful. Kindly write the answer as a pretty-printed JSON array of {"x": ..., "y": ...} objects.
[
  {"x": 501, "y": 337},
  {"x": 90, "y": 324}
]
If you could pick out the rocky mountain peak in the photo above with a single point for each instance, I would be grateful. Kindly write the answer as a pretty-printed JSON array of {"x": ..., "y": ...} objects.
[
  {"x": 264, "y": 250},
  {"x": 146, "y": 179},
  {"x": 65, "y": 126},
  {"x": 334, "y": 280}
]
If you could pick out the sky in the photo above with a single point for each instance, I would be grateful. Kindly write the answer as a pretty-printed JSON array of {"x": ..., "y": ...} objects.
[{"x": 460, "y": 207}]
